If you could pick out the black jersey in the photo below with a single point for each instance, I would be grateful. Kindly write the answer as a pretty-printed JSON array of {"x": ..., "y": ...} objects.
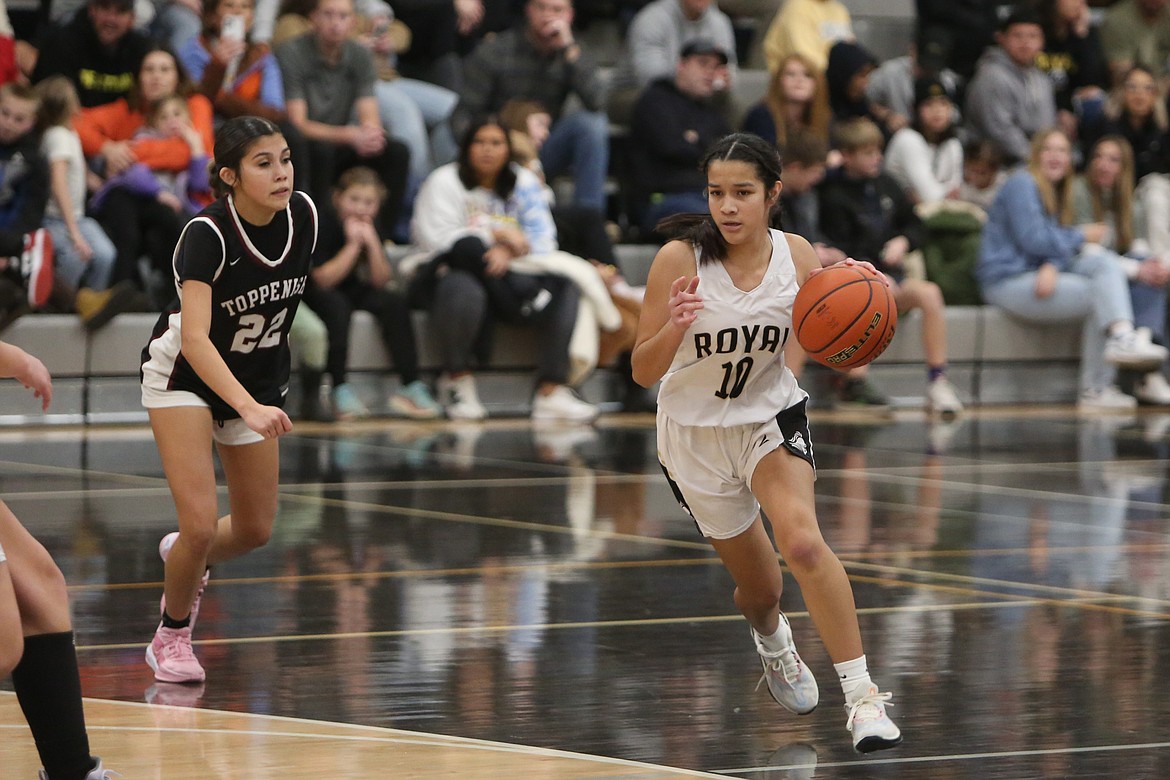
[{"x": 257, "y": 276}]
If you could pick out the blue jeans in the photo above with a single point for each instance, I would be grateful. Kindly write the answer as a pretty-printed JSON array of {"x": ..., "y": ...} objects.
[
  {"x": 418, "y": 114},
  {"x": 579, "y": 142},
  {"x": 1094, "y": 291},
  {"x": 69, "y": 266}
]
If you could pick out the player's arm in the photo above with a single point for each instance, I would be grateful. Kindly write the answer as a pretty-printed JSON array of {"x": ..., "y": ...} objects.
[
  {"x": 804, "y": 257},
  {"x": 201, "y": 353},
  {"x": 28, "y": 370},
  {"x": 670, "y": 306}
]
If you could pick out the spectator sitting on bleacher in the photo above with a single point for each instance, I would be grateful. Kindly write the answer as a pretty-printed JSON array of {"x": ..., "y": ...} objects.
[
  {"x": 847, "y": 77},
  {"x": 1137, "y": 112},
  {"x": 891, "y": 87},
  {"x": 673, "y": 125},
  {"x": 98, "y": 50},
  {"x": 1074, "y": 62},
  {"x": 350, "y": 272},
  {"x": 808, "y": 27},
  {"x": 926, "y": 159},
  {"x": 328, "y": 82},
  {"x": 1038, "y": 266},
  {"x": 1105, "y": 193},
  {"x": 804, "y": 169},
  {"x": 242, "y": 77},
  {"x": 26, "y": 251},
  {"x": 954, "y": 33},
  {"x": 652, "y": 44},
  {"x": 474, "y": 220},
  {"x": 983, "y": 173},
  {"x": 1009, "y": 98},
  {"x": 83, "y": 254},
  {"x": 1136, "y": 32},
  {"x": 541, "y": 60},
  {"x": 797, "y": 101},
  {"x": 864, "y": 213},
  {"x": 137, "y": 224}
]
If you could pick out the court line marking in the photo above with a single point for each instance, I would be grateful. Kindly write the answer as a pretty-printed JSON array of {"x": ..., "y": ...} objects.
[
  {"x": 380, "y": 735},
  {"x": 956, "y": 757}
]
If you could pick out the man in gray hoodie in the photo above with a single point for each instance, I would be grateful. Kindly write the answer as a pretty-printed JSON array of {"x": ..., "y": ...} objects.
[{"x": 1009, "y": 98}]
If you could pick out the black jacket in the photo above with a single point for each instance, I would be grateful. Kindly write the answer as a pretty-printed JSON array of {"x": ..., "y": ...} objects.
[
  {"x": 860, "y": 215},
  {"x": 101, "y": 75},
  {"x": 669, "y": 134}
]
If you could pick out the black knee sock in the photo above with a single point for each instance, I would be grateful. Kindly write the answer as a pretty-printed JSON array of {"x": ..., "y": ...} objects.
[{"x": 48, "y": 688}]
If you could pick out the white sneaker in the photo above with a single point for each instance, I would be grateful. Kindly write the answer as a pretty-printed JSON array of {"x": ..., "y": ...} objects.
[
  {"x": 1106, "y": 398},
  {"x": 869, "y": 724},
  {"x": 563, "y": 404},
  {"x": 790, "y": 682},
  {"x": 942, "y": 398},
  {"x": 99, "y": 772},
  {"x": 1134, "y": 350},
  {"x": 460, "y": 398},
  {"x": 1153, "y": 389}
]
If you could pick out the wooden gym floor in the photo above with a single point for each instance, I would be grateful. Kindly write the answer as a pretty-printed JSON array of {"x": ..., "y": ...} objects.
[{"x": 516, "y": 602}]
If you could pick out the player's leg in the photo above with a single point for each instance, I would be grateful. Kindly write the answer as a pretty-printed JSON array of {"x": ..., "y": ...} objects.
[
  {"x": 34, "y": 607},
  {"x": 783, "y": 483},
  {"x": 253, "y": 476},
  {"x": 11, "y": 637}
]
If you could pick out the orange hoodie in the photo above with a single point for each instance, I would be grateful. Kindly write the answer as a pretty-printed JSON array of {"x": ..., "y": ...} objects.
[{"x": 117, "y": 122}]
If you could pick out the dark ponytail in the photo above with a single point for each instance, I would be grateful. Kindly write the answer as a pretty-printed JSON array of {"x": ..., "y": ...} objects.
[
  {"x": 232, "y": 142},
  {"x": 700, "y": 229}
]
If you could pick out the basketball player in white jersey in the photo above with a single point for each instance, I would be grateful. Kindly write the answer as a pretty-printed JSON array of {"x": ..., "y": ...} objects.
[
  {"x": 217, "y": 368},
  {"x": 36, "y": 631},
  {"x": 732, "y": 429}
]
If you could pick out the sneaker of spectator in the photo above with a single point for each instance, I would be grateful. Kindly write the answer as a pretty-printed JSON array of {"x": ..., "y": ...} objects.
[{"x": 97, "y": 307}]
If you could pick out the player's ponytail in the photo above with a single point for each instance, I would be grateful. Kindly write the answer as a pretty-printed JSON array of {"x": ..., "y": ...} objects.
[
  {"x": 700, "y": 229},
  {"x": 232, "y": 141}
]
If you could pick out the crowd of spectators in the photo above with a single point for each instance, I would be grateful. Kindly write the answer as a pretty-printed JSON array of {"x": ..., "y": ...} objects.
[{"x": 108, "y": 108}]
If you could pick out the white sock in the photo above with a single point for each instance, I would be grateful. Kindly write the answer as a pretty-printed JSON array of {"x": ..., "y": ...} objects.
[
  {"x": 854, "y": 677},
  {"x": 1120, "y": 328},
  {"x": 780, "y": 640}
]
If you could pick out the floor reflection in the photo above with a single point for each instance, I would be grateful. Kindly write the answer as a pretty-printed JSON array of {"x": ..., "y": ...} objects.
[{"x": 540, "y": 586}]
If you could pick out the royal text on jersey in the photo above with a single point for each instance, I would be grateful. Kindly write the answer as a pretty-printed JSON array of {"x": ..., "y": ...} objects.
[
  {"x": 265, "y": 293},
  {"x": 745, "y": 338}
]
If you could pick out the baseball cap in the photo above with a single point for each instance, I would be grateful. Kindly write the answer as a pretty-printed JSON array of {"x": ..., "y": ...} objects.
[{"x": 700, "y": 46}]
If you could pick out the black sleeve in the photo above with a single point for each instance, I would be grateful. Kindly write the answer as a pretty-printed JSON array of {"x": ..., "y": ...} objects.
[
  {"x": 906, "y": 222},
  {"x": 839, "y": 222},
  {"x": 54, "y": 58},
  {"x": 200, "y": 254},
  {"x": 330, "y": 235},
  {"x": 34, "y": 195}
]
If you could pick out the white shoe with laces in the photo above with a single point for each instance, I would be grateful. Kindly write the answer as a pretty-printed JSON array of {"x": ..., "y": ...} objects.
[
  {"x": 563, "y": 404},
  {"x": 1134, "y": 349},
  {"x": 942, "y": 397},
  {"x": 460, "y": 398},
  {"x": 869, "y": 724},
  {"x": 1106, "y": 398},
  {"x": 790, "y": 682},
  {"x": 1153, "y": 389}
]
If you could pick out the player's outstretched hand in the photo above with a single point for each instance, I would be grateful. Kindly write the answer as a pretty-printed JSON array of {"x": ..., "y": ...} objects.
[
  {"x": 268, "y": 421},
  {"x": 684, "y": 301},
  {"x": 36, "y": 377}
]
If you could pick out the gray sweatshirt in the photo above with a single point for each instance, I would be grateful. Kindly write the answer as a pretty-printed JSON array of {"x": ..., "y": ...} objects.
[{"x": 1008, "y": 104}]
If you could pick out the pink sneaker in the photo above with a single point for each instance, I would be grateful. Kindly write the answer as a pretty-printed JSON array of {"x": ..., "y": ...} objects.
[
  {"x": 171, "y": 657},
  {"x": 164, "y": 549}
]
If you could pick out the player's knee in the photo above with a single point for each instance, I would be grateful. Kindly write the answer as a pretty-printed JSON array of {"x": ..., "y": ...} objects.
[
  {"x": 253, "y": 535},
  {"x": 803, "y": 551}
]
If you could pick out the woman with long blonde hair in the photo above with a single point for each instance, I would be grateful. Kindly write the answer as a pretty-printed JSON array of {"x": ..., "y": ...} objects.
[
  {"x": 797, "y": 100},
  {"x": 1105, "y": 193},
  {"x": 1037, "y": 264}
]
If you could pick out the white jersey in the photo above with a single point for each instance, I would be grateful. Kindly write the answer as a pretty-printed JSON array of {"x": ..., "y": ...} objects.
[{"x": 729, "y": 369}]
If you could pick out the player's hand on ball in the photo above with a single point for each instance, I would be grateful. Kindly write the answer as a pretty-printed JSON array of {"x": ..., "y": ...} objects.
[
  {"x": 268, "y": 421},
  {"x": 849, "y": 261},
  {"x": 684, "y": 301}
]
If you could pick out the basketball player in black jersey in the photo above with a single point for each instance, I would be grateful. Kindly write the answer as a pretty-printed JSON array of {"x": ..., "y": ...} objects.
[{"x": 217, "y": 368}]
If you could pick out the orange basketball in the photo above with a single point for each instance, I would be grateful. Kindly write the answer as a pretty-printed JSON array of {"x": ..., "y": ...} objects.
[{"x": 844, "y": 316}]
